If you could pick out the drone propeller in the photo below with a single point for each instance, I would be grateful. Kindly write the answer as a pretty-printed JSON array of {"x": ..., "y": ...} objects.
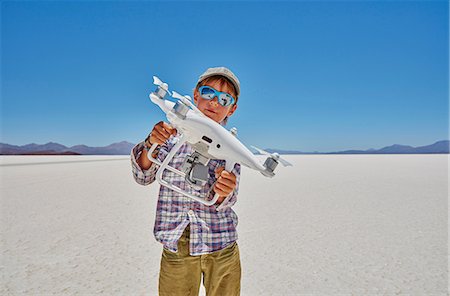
[
  {"x": 186, "y": 100},
  {"x": 182, "y": 98},
  {"x": 274, "y": 155},
  {"x": 161, "y": 84}
]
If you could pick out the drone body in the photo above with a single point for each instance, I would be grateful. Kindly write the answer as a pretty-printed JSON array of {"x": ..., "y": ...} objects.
[{"x": 209, "y": 140}]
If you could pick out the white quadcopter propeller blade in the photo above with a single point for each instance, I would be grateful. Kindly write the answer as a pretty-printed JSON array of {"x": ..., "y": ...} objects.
[
  {"x": 161, "y": 84},
  {"x": 260, "y": 150},
  {"x": 157, "y": 81},
  {"x": 275, "y": 155},
  {"x": 284, "y": 162},
  {"x": 178, "y": 96}
]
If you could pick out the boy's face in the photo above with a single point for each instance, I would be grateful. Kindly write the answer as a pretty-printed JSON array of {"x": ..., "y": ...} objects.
[{"x": 212, "y": 108}]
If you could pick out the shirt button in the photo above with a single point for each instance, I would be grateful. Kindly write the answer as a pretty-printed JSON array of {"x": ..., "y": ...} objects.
[{"x": 191, "y": 212}]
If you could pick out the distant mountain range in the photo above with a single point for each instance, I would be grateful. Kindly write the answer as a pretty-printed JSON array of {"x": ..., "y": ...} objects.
[
  {"x": 124, "y": 148},
  {"x": 438, "y": 147},
  {"x": 121, "y": 148}
]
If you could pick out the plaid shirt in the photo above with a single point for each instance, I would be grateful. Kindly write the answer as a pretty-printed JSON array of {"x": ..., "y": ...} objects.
[{"x": 212, "y": 228}]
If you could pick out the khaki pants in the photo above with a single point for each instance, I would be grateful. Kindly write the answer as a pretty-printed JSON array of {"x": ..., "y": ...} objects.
[{"x": 180, "y": 273}]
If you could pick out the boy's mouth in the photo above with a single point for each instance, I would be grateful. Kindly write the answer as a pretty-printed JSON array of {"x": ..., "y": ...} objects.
[{"x": 211, "y": 111}]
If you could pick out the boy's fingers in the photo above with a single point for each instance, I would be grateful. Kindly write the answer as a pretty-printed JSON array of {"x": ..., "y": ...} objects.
[
  {"x": 162, "y": 134},
  {"x": 165, "y": 125},
  {"x": 221, "y": 172},
  {"x": 221, "y": 190},
  {"x": 169, "y": 129},
  {"x": 226, "y": 182},
  {"x": 228, "y": 175},
  {"x": 156, "y": 138},
  {"x": 218, "y": 171},
  {"x": 162, "y": 131},
  {"x": 222, "y": 187}
]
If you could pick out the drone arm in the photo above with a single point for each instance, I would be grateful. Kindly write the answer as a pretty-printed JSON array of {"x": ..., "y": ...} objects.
[{"x": 165, "y": 105}]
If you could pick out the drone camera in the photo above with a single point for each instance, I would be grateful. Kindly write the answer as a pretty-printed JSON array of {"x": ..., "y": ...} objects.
[
  {"x": 199, "y": 174},
  {"x": 196, "y": 170}
]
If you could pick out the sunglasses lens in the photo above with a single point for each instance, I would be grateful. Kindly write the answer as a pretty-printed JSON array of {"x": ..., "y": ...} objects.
[
  {"x": 225, "y": 99},
  {"x": 207, "y": 93}
]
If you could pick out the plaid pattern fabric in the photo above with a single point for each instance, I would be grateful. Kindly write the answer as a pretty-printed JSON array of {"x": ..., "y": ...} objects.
[{"x": 212, "y": 228}]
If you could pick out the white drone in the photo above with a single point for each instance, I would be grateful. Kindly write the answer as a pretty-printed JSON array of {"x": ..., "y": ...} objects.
[{"x": 209, "y": 140}]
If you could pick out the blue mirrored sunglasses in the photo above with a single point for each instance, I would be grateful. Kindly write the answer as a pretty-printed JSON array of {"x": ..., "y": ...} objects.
[{"x": 208, "y": 93}]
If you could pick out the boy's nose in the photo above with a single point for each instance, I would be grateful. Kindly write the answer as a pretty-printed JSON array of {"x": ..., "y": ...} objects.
[{"x": 214, "y": 102}]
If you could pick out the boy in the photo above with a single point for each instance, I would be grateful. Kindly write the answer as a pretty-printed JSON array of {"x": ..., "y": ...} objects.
[{"x": 197, "y": 239}]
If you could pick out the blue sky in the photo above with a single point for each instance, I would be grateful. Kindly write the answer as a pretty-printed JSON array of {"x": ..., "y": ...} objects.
[{"x": 315, "y": 76}]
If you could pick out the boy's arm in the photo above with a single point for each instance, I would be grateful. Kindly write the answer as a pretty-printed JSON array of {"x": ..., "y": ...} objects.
[
  {"x": 146, "y": 176},
  {"x": 231, "y": 199}
]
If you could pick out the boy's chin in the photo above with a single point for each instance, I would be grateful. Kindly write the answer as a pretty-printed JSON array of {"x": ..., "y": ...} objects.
[{"x": 215, "y": 119}]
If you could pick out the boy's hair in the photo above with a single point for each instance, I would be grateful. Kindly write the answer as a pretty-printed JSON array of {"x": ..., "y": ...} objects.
[{"x": 222, "y": 80}]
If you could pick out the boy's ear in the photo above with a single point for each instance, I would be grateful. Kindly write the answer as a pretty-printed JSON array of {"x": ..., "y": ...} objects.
[
  {"x": 195, "y": 97},
  {"x": 232, "y": 109}
]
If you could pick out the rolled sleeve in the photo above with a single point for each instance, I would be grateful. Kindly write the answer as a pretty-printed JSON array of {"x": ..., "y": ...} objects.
[
  {"x": 148, "y": 176},
  {"x": 231, "y": 199},
  {"x": 142, "y": 177}
]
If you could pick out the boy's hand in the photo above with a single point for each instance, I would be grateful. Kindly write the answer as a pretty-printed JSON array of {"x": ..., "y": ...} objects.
[
  {"x": 226, "y": 182},
  {"x": 161, "y": 132}
]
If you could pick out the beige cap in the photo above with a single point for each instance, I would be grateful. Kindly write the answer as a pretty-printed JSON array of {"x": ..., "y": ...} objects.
[{"x": 222, "y": 71}]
